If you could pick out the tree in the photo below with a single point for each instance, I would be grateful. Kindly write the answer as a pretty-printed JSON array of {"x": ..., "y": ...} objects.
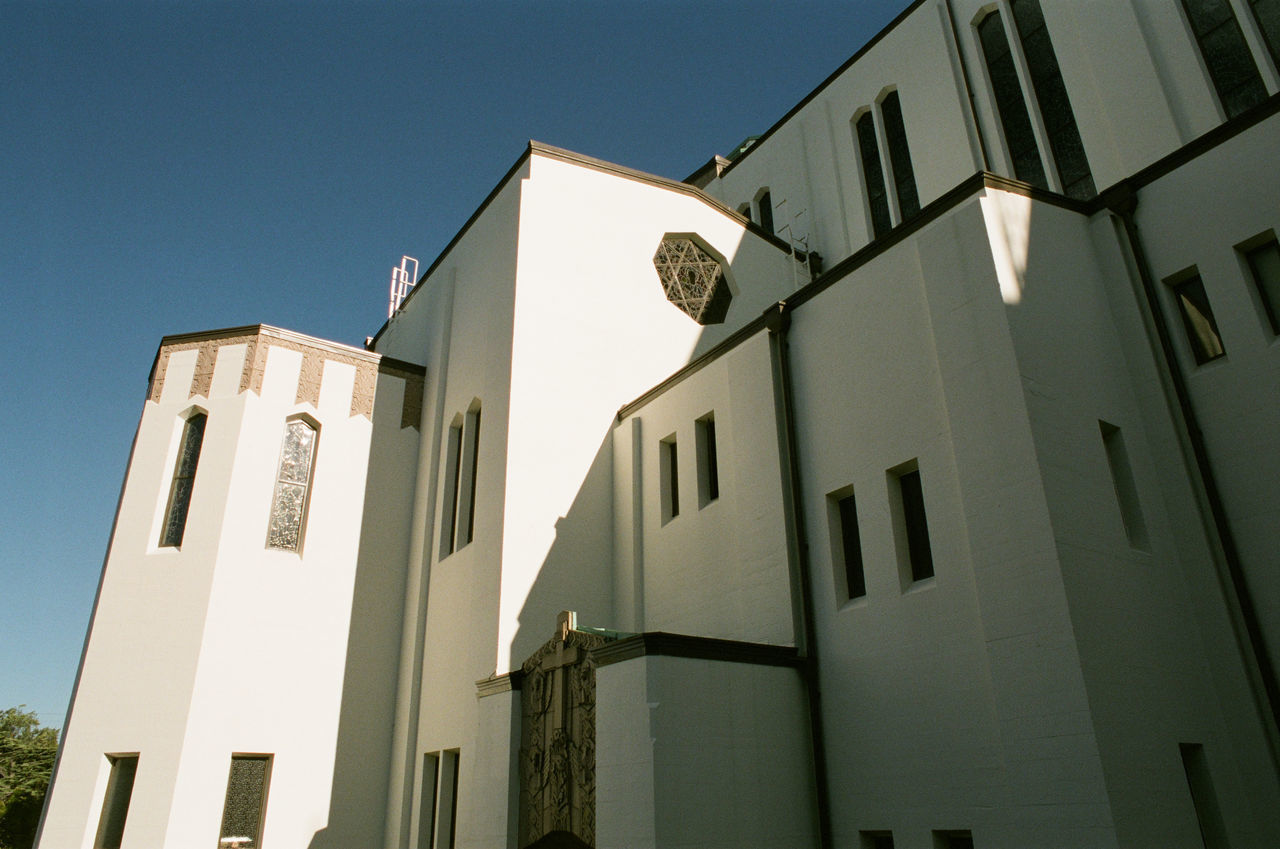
[{"x": 27, "y": 752}]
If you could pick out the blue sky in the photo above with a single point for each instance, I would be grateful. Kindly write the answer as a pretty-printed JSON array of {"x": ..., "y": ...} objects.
[{"x": 170, "y": 167}]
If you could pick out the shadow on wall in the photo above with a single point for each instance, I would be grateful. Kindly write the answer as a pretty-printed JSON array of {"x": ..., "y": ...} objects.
[{"x": 362, "y": 762}]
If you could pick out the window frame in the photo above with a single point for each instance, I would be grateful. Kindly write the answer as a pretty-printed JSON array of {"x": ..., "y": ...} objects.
[
  {"x": 188, "y": 432},
  {"x": 1195, "y": 344},
  {"x": 669, "y": 477},
  {"x": 263, "y": 793},
  {"x": 849, "y": 572},
  {"x": 912, "y": 538},
  {"x": 308, "y": 485},
  {"x": 708, "y": 459},
  {"x": 1267, "y": 305}
]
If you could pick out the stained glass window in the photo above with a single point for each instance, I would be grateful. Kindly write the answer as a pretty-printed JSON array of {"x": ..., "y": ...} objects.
[
  {"x": 246, "y": 794},
  {"x": 289, "y": 504},
  {"x": 1010, "y": 104},
  {"x": 184, "y": 477},
  {"x": 1226, "y": 54},
  {"x": 873, "y": 175},
  {"x": 904, "y": 178}
]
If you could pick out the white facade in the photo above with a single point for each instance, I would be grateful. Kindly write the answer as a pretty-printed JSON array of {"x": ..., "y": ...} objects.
[{"x": 949, "y": 521}]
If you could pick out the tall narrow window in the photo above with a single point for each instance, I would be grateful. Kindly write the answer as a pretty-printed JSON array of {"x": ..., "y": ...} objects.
[
  {"x": 1051, "y": 95},
  {"x": 895, "y": 137},
  {"x": 449, "y": 501},
  {"x": 1135, "y": 527},
  {"x": 245, "y": 801},
  {"x": 873, "y": 174},
  {"x": 427, "y": 801},
  {"x": 1198, "y": 320},
  {"x": 764, "y": 206},
  {"x": 115, "y": 805},
  {"x": 1264, "y": 267},
  {"x": 846, "y": 545},
  {"x": 467, "y": 486},
  {"x": 1010, "y": 104},
  {"x": 708, "y": 460},
  {"x": 911, "y": 526},
  {"x": 669, "y": 478},
  {"x": 293, "y": 486},
  {"x": 1226, "y": 55},
  {"x": 1267, "y": 14},
  {"x": 184, "y": 477},
  {"x": 446, "y": 813},
  {"x": 1212, "y": 829},
  {"x": 458, "y": 507}
]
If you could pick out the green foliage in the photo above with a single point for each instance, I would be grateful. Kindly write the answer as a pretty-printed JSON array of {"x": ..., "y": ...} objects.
[{"x": 27, "y": 752}]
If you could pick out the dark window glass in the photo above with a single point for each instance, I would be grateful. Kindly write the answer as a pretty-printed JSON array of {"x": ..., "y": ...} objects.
[
  {"x": 1051, "y": 93},
  {"x": 472, "y": 453},
  {"x": 184, "y": 477},
  {"x": 1010, "y": 103},
  {"x": 115, "y": 805},
  {"x": 917, "y": 526},
  {"x": 708, "y": 462},
  {"x": 904, "y": 179},
  {"x": 1197, "y": 319},
  {"x": 246, "y": 794},
  {"x": 1267, "y": 14},
  {"x": 1226, "y": 55},
  {"x": 669, "y": 469},
  {"x": 1264, "y": 265},
  {"x": 766, "y": 211},
  {"x": 1213, "y": 831},
  {"x": 851, "y": 547},
  {"x": 873, "y": 175}
]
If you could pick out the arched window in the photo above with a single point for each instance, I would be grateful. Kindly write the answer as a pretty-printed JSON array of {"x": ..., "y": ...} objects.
[
  {"x": 293, "y": 485},
  {"x": 184, "y": 478}
]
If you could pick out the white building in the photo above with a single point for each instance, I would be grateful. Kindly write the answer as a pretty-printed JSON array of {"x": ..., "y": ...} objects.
[{"x": 913, "y": 479}]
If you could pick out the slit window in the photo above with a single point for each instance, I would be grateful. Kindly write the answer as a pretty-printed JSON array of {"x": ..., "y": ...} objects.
[
  {"x": 873, "y": 174},
  {"x": 437, "y": 823},
  {"x": 467, "y": 485},
  {"x": 895, "y": 135},
  {"x": 846, "y": 545},
  {"x": 1051, "y": 96},
  {"x": 1226, "y": 55},
  {"x": 911, "y": 526},
  {"x": 1197, "y": 319},
  {"x": 764, "y": 211},
  {"x": 115, "y": 805},
  {"x": 1011, "y": 106},
  {"x": 427, "y": 801},
  {"x": 1267, "y": 14},
  {"x": 1212, "y": 829},
  {"x": 1264, "y": 268},
  {"x": 449, "y": 504},
  {"x": 184, "y": 477},
  {"x": 1135, "y": 527},
  {"x": 708, "y": 460},
  {"x": 293, "y": 486},
  {"x": 245, "y": 802},
  {"x": 669, "y": 478}
]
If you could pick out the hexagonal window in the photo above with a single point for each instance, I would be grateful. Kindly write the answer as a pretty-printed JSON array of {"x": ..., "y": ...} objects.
[{"x": 693, "y": 279}]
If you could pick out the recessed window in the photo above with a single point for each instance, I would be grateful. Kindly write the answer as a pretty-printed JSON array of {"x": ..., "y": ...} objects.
[
  {"x": 1002, "y": 71},
  {"x": 438, "y": 800},
  {"x": 864, "y": 128},
  {"x": 1197, "y": 319},
  {"x": 1264, "y": 268},
  {"x": 1267, "y": 14},
  {"x": 669, "y": 478},
  {"x": 911, "y": 526},
  {"x": 293, "y": 485},
  {"x": 184, "y": 478},
  {"x": 745, "y": 211},
  {"x": 846, "y": 545},
  {"x": 895, "y": 136},
  {"x": 115, "y": 805},
  {"x": 764, "y": 211},
  {"x": 1226, "y": 55},
  {"x": 1205, "y": 799},
  {"x": 1051, "y": 97},
  {"x": 457, "y": 512},
  {"x": 708, "y": 460},
  {"x": 876, "y": 839},
  {"x": 1135, "y": 527},
  {"x": 245, "y": 802},
  {"x": 953, "y": 840}
]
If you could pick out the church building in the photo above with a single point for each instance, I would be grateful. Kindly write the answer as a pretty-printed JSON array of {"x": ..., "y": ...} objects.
[{"x": 908, "y": 478}]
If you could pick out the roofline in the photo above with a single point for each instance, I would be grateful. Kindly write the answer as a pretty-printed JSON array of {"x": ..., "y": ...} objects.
[
  {"x": 357, "y": 353},
  {"x": 605, "y": 167},
  {"x": 874, "y": 40}
]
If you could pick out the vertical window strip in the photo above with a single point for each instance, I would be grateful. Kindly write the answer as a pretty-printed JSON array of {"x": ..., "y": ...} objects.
[
  {"x": 1051, "y": 95},
  {"x": 449, "y": 502},
  {"x": 1267, "y": 14},
  {"x": 873, "y": 174},
  {"x": 1122, "y": 481},
  {"x": 246, "y": 797},
  {"x": 1226, "y": 55},
  {"x": 293, "y": 484},
  {"x": 184, "y": 475},
  {"x": 708, "y": 461},
  {"x": 1010, "y": 103},
  {"x": 669, "y": 478},
  {"x": 765, "y": 206},
  {"x": 851, "y": 548},
  {"x": 1264, "y": 266},
  {"x": 916, "y": 525},
  {"x": 115, "y": 804},
  {"x": 1198, "y": 321},
  {"x": 904, "y": 178},
  {"x": 469, "y": 460},
  {"x": 427, "y": 801}
]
